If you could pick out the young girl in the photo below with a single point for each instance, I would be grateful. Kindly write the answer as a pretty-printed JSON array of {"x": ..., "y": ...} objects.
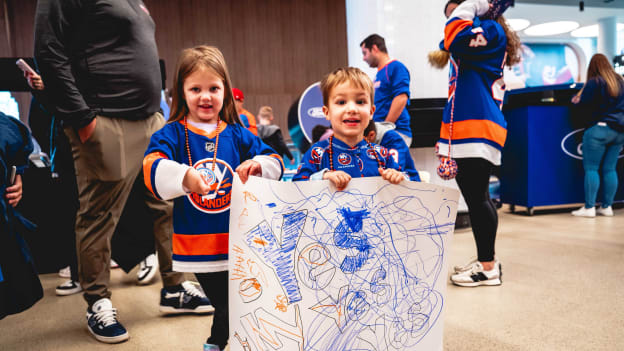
[
  {"x": 478, "y": 43},
  {"x": 348, "y": 105},
  {"x": 191, "y": 160}
]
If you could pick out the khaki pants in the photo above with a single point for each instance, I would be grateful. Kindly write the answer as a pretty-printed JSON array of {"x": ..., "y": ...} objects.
[{"x": 106, "y": 167}]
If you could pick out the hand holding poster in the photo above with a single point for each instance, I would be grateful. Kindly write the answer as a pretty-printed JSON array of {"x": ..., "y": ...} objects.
[{"x": 312, "y": 268}]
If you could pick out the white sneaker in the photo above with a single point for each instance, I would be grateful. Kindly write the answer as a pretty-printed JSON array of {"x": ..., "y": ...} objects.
[
  {"x": 70, "y": 287},
  {"x": 147, "y": 270},
  {"x": 585, "y": 212},
  {"x": 477, "y": 276},
  {"x": 103, "y": 324},
  {"x": 65, "y": 272},
  {"x": 466, "y": 266},
  {"x": 605, "y": 211},
  {"x": 113, "y": 264}
]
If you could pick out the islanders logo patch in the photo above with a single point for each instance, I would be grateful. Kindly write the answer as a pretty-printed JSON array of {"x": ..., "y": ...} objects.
[
  {"x": 371, "y": 154},
  {"x": 344, "y": 159},
  {"x": 316, "y": 155},
  {"x": 382, "y": 151},
  {"x": 220, "y": 181}
]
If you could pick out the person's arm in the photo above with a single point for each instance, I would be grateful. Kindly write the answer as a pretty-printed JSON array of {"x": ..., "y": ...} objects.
[
  {"x": 55, "y": 23},
  {"x": 463, "y": 36},
  {"x": 253, "y": 148},
  {"x": 396, "y": 108},
  {"x": 283, "y": 149}
]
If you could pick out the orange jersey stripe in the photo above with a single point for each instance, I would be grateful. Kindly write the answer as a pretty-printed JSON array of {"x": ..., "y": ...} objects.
[
  {"x": 200, "y": 244},
  {"x": 475, "y": 128},
  {"x": 148, "y": 161},
  {"x": 452, "y": 29}
]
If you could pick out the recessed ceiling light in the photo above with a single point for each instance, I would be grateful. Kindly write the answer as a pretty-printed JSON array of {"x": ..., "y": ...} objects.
[
  {"x": 591, "y": 31},
  {"x": 586, "y": 32},
  {"x": 518, "y": 24},
  {"x": 551, "y": 28}
]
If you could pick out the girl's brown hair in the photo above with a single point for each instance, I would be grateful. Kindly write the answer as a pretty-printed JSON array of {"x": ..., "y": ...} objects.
[
  {"x": 600, "y": 67},
  {"x": 192, "y": 59}
]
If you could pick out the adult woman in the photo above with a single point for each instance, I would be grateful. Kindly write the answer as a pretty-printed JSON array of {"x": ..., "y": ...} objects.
[
  {"x": 602, "y": 142},
  {"x": 480, "y": 44}
]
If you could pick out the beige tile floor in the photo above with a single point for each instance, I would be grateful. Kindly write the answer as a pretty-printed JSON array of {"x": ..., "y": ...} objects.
[{"x": 563, "y": 290}]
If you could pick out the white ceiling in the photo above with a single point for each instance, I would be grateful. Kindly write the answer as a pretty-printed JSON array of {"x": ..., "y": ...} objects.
[{"x": 540, "y": 13}]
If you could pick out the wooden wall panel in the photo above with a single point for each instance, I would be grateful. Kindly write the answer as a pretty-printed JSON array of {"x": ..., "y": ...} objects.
[{"x": 274, "y": 48}]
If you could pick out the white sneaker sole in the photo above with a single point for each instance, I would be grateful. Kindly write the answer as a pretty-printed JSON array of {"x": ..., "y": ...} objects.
[
  {"x": 198, "y": 310},
  {"x": 67, "y": 292},
  {"x": 148, "y": 278},
  {"x": 491, "y": 282},
  {"x": 110, "y": 339}
]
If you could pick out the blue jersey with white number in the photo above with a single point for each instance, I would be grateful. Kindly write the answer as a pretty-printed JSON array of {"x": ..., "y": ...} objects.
[{"x": 476, "y": 89}]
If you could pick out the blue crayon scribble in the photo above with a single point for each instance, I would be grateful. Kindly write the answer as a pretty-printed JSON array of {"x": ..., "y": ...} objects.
[
  {"x": 271, "y": 205},
  {"x": 278, "y": 256},
  {"x": 349, "y": 235}
]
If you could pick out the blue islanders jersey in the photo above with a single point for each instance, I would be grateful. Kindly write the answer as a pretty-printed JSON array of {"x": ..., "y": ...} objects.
[
  {"x": 397, "y": 148},
  {"x": 476, "y": 88},
  {"x": 201, "y": 223},
  {"x": 392, "y": 80},
  {"x": 358, "y": 161}
]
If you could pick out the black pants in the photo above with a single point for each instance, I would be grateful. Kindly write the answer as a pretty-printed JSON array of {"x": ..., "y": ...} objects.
[
  {"x": 473, "y": 178},
  {"x": 215, "y": 285}
]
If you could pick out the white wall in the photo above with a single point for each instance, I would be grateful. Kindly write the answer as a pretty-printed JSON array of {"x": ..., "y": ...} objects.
[{"x": 411, "y": 29}]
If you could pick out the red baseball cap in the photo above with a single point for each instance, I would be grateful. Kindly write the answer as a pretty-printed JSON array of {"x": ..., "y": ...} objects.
[{"x": 238, "y": 94}]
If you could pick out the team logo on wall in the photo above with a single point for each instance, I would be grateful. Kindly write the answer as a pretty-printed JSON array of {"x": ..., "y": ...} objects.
[
  {"x": 382, "y": 151},
  {"x": 317, "y": 155},
  {"x": 344, "y": 159},
  {"x": 220, "y": 181}
]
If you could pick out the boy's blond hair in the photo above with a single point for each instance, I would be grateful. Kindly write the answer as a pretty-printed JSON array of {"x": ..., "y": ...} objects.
[
  {"x": 352, "y": 75},
  {"x": 265, "y": 112}
]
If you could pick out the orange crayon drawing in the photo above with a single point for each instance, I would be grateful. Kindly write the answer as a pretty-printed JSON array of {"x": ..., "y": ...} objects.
[
  {"x": 281, "y": 303},
  {"x": 249, "y": 196}
]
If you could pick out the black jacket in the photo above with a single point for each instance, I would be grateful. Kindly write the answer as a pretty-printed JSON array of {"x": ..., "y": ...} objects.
[
  {"x": 98, "y": 57},
  {"x": 272, "y": 136}
]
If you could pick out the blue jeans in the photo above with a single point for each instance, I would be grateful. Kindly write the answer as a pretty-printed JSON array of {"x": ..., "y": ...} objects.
[{"x": 601, "y": 145}]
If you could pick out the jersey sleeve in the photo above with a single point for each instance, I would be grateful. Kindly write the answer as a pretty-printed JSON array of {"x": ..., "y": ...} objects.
[
  {"x": 162, "y": 175},
  {"x": 464, "y": 33},
  {"x": 310, "y": 163},
  {"x": 400, "y": 78},
  {"x": 254, "y": 148}
]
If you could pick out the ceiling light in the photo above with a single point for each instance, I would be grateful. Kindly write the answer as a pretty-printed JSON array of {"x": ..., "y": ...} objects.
[
  {"x": 586, "y": 32},
  {"x": 591, "y": 31},
  {"x": 518, "y": 24},
  {"x": 551, "y": 28}
]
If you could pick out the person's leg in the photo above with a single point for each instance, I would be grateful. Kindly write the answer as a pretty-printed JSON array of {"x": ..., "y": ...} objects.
[
  {"x": 473, "y": 177},
  {"x": 594, "y": 143},
  {"x": 609, "y": 163},
  {"x": 162, "y": 214},
  {"x": 215, "y": 285}
]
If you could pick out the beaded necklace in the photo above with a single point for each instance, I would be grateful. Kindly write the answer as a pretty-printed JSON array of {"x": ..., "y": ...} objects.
[
  {"x": 188, "y": 147},
  {"x": 331, "y": 154}
]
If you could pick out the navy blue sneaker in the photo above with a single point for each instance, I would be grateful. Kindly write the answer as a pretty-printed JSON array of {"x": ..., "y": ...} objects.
[
  {"x": 102, "y": 322},
  {"x": 186, "y": 300}
]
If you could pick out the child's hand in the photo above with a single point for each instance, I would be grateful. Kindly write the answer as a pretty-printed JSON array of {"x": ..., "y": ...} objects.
[
  {"x": 194, "y": 182},
  {"x": 340, "y": 179},
  {"x": 248, "y": 168},
  {"x": 14, "y": 192},
  {"x": 392, "y": 175}
]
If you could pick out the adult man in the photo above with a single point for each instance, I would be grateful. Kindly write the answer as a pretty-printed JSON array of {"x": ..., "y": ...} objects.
[
  {"x": 248, "y": 119},
  {"x": 101, "y": 66},
  {"x": 391, "y": 86}
]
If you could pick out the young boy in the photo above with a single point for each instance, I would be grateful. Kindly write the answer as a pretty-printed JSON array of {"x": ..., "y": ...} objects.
[{"x": 348, "y": 105}]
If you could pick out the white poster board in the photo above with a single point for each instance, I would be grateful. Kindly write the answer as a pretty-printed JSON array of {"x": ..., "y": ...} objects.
[{"x": 360, "y": 269}]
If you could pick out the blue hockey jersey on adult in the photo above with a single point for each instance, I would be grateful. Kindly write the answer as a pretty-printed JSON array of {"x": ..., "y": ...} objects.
[
  {"x": 201, "y": 223},
  {"x": 358, "y": 161},
  {"x": 397, "y": 148},
  {"x": 476, "y": 88},
  {"x": 392, "y": 80}
]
